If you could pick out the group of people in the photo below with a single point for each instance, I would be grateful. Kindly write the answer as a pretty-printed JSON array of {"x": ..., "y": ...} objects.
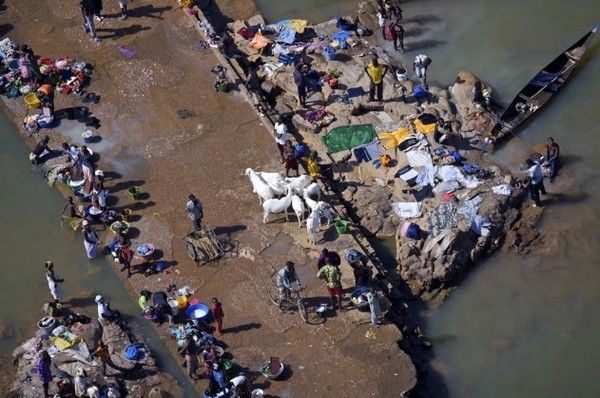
[
  {"x": 92, "y": 10},
  {"x": 533, "y": 168},
  {"x": 328, "y": 269}
]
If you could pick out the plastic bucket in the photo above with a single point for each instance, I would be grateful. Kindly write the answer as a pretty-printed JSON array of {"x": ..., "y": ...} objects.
[
  {"x": 32, "y": 101},
  {"x": 182, "y": 301},
  {"x": 47, "y": 324},
  {"x": 14, "y": 65},
  {"x": 197, "y": 311},
  {"x": 341, "y": 227}
]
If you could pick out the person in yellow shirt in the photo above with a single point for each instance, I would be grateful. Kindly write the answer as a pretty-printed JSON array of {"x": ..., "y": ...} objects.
[
  {"x": 376, "y": 73},
  {"x": 312, "y": 165}
]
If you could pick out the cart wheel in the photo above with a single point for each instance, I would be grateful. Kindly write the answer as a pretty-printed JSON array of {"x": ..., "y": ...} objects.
[
  {"x": 191, "y": 250},
  {"x": 302, "y": 309}
]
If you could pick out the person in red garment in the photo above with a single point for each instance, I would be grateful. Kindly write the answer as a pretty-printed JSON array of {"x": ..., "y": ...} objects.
[{"x": 217, "y": 310}]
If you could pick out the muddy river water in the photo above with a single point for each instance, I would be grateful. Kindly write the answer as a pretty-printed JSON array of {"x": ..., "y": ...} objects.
[{"x": 518, "y": 326}]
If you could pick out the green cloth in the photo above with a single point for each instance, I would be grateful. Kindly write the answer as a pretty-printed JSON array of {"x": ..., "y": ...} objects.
[
  {"x": 348, "y": 137},
  {"x": 331, "y": 275},
  {"x": 143, "y": 302}
]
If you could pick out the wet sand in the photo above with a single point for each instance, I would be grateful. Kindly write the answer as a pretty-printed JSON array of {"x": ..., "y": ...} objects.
[{"x": 145, "y": 142}]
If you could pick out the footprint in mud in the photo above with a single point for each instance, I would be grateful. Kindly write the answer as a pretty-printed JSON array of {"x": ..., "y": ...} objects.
[{"x": 185, "y": 113}]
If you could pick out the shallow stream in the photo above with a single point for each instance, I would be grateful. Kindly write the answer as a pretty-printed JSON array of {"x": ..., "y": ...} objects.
[{"x": 30, "y": 234}]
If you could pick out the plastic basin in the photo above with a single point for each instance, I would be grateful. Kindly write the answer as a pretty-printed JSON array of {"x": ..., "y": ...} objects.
[
  {"x": 341, "y": 226},
  {"x": 197, "y": 311},
  {"x": 32, "y": 100}
]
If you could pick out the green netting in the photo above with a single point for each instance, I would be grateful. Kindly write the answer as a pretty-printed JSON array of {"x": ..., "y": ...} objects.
[{"x": 348, "y": 137}]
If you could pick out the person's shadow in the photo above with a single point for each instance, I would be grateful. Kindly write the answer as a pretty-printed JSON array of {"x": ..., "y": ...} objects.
[{"x": 116, "y": 33}]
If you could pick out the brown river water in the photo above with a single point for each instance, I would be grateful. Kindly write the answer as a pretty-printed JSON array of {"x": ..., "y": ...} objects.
[{"x": 517, "y": 326}]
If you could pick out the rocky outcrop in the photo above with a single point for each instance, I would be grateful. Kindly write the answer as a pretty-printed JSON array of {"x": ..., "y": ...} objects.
[
  {"x": 373, "y": 208},
  {"x": 130, "y": 378}
]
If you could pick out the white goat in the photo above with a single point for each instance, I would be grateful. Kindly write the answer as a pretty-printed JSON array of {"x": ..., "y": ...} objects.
[
  {"x": 313, "y": 224},
  {"x": 324, "y": 208},
  {"x": 313, "y": 190},
  {"x": 275, "y": 181},
  {"x": 298, "y": 183},
  {"x": 299, "y": 209},
  {"x": 273, "y": 206},
  {"x": 259, "y": 186}
]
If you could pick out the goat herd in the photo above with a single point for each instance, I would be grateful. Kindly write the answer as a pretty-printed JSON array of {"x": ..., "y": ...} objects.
[{"x": 277, "y": 193}]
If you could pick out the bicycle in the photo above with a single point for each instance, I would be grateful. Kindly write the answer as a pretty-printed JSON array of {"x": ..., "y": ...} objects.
[{"x": 291, "y": 300}]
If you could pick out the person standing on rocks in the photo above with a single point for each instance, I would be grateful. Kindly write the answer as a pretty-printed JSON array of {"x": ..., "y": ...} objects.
[
  {"x": 103, "y": 356},
  {"x": 281, "y": 134},
  {"x": 300, "y": 80},
  {"x": 53, "y": 282},
  {"x": 42, "y": 367},
  {"x": 536, "y": 184},
  {"x": 88, "y": 9},
  {"x": 399, "y": 36},
  {"x": 420, "y": 65},
  {"x": 290, "y": 161},
  {"x": 376, "y": 73},
  {"x": 552, "y": 153},
  {"x": 253, "y": 84},
  {"x": 195, "y": 212}
]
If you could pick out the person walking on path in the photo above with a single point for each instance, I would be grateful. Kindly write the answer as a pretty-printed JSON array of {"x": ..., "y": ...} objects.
[
  {"x": 281, "y": 135},
  {"x": 195, "y": 212},
  {"x": 376, "y": 73},
  {"x": 218, "y": 314},
  {"x": 123, "y": 6},
  {"x": 254, "y": 86},
  {"x": 42, "y": 367},
  {"x": 103, "y": 356},
  {"x": 90, "y": 240},
  {"x": 300, "y": 80},
  {"x": 88, "y": 9},
  {"x": 536, "y": 184},
  {"x": 552, "y": 154},
  {"x": 125, "y": 256},
  {"x": 290, "y": 162},
  {"x": 420, "y": 65},
  {"x": 332, "y": 276},
  {"x": 53, "y": 282}
]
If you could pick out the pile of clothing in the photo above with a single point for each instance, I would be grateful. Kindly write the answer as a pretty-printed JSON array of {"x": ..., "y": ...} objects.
[{"x": 21, "y": 73}]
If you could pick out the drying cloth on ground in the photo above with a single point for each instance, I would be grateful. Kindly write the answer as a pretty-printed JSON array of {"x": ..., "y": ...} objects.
[
  {"x": 446, "y": 187},
  {"x": 341, "y": 36},
  {"x": 348, "y": 137},
  {"x": 408, "y": 174},
  {"x": 407, "y": 209},
  {"x": 355, "y": 92},
  {"x": 393, "y": 138},
  {"x": 368, "y": 152},
  {"x": 427, "y": 176},
  {"x": 441, "y": 218},
  {"x": 422, "y": 193},
  {"x": 259, "y": 41},
  {"x": 419, "y": 158},
  {"x": 286, "y": 36},
  {"x": 480, "y": 225},
  {"x": 424, "y": 128},
  {"x": 245, "y": 33},
  {"x": 450, "y": 173},
  {"x": 470, "y": 207},
  {"x": 317, "y": 46},
  {"x": 438, "y": 245},
  {"x": 502, "y": 189},
  {"x": 297, "y": 25}
]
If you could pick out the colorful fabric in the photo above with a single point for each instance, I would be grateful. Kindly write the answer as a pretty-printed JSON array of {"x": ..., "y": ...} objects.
[
  {"x": 259, "y": 41},
  {"x": 348, "y": 137},
  {"x": 425, "y": 128},
  {"x": 393, "y": 138},
  {"x": 331, "y": 275}
]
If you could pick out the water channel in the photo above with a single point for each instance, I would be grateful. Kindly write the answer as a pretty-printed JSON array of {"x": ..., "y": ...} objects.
[
  {"x": 518, "y": 326},
  {"x": 30, "y": 234}
]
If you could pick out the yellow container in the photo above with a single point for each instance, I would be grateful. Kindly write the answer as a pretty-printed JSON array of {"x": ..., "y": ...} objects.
[
  {"x": 182, "y": 301},
  {"x": 32, "y": 101}
]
